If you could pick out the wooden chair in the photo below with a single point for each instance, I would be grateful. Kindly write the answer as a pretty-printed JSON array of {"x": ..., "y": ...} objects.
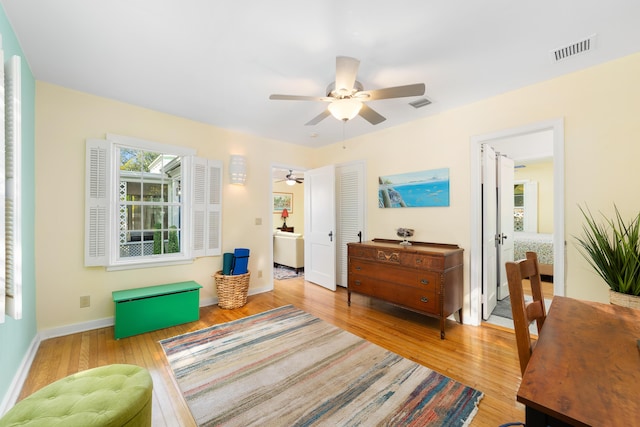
[{"x": 524, "y": 313}]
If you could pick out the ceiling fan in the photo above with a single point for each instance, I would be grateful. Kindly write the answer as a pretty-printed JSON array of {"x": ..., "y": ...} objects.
[
  {"x": 346, "y": 96},
  {"x": 291, "y": 179}
]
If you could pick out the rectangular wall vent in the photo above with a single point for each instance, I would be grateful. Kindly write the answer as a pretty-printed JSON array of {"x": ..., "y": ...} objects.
[
  {"x": 573, "y": 49},
  {"x": 422, "y": 102}
]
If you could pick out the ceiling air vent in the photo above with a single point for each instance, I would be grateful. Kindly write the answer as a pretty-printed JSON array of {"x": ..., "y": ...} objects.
[
  {"x": 422, "y": 102},
  {"x": 573, "y": 49}
]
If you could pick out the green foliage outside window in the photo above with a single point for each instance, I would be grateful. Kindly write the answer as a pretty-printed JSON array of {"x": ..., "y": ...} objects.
[
  {"x": 173, "y": 245},
  {"x": 157, "y": 239}
]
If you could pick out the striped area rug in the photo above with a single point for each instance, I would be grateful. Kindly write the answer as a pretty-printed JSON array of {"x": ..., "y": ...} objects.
[{"x": 285, "y": 367}]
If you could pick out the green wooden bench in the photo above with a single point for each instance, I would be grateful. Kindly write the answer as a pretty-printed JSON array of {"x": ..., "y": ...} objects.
[{"x": 146, "y": 309}]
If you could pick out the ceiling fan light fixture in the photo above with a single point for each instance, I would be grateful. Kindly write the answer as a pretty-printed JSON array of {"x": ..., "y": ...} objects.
[
  {"x": 291, "y": 181},
  {"x": 345, "y": 109}
]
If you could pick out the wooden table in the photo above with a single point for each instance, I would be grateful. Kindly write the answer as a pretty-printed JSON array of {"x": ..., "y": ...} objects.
[{"x": 585, "y": 369}]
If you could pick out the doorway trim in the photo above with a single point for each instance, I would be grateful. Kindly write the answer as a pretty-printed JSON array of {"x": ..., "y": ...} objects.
[{"x": 475, "y": 256}]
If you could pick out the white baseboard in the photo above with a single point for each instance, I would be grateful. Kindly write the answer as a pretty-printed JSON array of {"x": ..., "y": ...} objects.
[
  {"x": 11, "y": 396},
  {"x": 75, "y": 328}
]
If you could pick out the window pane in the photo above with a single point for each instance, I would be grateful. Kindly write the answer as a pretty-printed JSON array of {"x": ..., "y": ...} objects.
[
  {"x": 135, "y": 160},
  {"x": 154, "y": 192},
  {"x": 173, "y": 240},
  {"x": 518, "y": 219},
  {"x": 518, "y": 195},
  {"x": 150, "y": 203}
]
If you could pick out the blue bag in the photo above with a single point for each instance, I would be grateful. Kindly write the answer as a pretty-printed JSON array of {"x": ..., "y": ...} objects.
[
  {"x": 240, "y": 261},
  {"x": 227, "y": 263}
]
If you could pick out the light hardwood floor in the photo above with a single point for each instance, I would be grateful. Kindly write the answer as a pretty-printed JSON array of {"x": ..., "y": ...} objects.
[{"x": 482, "y": 357}]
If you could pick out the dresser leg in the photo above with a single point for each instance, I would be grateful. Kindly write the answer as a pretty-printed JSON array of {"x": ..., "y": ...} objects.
[{"x": 349, "y": 298}]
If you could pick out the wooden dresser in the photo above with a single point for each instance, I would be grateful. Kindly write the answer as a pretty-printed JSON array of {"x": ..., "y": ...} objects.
[{"x": 423, "y": 277}]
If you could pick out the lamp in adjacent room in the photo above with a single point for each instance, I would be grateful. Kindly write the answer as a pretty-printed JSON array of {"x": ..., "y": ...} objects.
[
  {"x": 345, "y": 109},
  {"x": 237, "y": 169},
  {"x": 284, "y": 216}
]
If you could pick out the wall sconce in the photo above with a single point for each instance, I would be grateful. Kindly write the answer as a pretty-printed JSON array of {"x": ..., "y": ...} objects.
[{"x": 237, "y": 169}]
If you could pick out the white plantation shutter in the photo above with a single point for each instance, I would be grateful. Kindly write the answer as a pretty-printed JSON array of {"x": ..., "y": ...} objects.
[
  {"x": 207, "y": 207},
  {"x": 97, "y": 214},
  {"x": 214, "y": 208},
  {"x": 3, "y": 283},
  {"x": 350, "y": 196},
  {"x": 13, "y": 187},
  {"x": 198, "y": 206}
]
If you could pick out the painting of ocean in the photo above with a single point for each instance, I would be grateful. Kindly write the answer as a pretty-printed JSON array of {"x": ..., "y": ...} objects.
[{"x": 414, "y": 189}]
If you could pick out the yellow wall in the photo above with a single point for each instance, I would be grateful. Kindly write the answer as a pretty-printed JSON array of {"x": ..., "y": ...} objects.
[
  {"x": 296, "y": 218},
  {"x": 541, "y": 173},
  {"x": 64, "y": 119},
  {"x": 601, "y": 109}
]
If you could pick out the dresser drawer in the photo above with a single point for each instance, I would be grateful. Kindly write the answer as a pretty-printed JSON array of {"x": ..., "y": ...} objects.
[
  {"x": 404, "y": 276},
  {"x": 423, "y": 301},
  {"x": 427, "y": 280},
  {"x": 362, "y": 284},
  {"x": 375, "y": 270},
  {"x": 421, "y": 261},
  {"x": 361, "y": 252},
  {"x": 415, "y": 298}
]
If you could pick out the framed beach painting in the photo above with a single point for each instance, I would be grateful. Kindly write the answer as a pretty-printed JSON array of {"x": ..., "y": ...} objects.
[
  {"x": 282, "y": 201},
  {"x": 428, "y": 188}
]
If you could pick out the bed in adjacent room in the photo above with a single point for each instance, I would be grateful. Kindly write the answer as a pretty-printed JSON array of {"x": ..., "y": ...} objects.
[{"x": 540, "y": 243}]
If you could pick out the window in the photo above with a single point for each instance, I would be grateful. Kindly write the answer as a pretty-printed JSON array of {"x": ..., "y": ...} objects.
[
  {"x": 525, "y": 206},
  {"x": 163, "y": 205}
]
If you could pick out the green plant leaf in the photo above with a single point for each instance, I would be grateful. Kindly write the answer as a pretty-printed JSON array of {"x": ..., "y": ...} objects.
[{"x": 612, "y": 248}]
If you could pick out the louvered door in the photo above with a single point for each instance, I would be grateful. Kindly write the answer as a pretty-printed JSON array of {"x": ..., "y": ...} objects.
[{"x": 350, "y": 214}]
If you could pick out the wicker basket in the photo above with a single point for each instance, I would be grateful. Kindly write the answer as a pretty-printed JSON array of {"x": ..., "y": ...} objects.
[
  {"x": 624, "y": 300},
  {"x": 232, "y": 290}
]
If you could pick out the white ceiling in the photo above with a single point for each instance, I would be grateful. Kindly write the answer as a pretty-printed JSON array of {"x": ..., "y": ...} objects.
[{"x": 218, "y": 62}]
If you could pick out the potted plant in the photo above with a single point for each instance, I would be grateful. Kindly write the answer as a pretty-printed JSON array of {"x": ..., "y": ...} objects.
[{"x": 612, "y": 248}]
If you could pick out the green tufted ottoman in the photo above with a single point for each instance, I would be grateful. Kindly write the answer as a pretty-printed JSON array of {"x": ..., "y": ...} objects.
[{"x": 112, "y": 395}]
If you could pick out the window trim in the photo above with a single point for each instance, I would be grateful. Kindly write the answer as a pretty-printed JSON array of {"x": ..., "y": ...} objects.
[{"x": 110, "y": 202}]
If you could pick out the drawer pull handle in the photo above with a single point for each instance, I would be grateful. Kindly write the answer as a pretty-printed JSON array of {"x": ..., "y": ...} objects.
[
  {"x": 358, "y": 268},
  {"x": 424, "y": 281},
  {"x": 357, "y": 283},
  {"x": 418, "y": 260},
  {"x": 424, "y": 299}
]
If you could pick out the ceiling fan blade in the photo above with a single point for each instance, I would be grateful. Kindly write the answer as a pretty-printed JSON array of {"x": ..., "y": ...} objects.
[
  {"x": 300, "y": 98},
  {"x": 346, "y": 72},
  {"x": 416, "y": 89},
  {"x": 317, "y": 119},
  {"x": 370, "y": 115}
]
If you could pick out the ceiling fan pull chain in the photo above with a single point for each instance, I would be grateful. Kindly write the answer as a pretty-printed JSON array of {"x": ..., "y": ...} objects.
[{"x": 344, "y": 123}]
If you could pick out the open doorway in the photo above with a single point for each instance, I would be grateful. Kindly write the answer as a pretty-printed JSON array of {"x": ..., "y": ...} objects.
[
  {"x": 517, "y": 144},
  {"x": 287, "y": 221}
]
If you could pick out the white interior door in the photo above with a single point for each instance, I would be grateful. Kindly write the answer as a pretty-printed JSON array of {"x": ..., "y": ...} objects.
[
  {"x": 505, "y": 222},
  {"x": 320, "y": 226},
  {"x": 489, "y": 231},
  {"x": 350, "y": 213}
]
